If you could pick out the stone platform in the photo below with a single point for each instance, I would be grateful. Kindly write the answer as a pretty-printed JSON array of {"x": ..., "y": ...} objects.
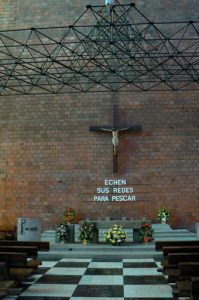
[
  {"x": 103, "y": 250},
  {"x": 161, "y": 232},
  {"x": 127, "y": 250}
]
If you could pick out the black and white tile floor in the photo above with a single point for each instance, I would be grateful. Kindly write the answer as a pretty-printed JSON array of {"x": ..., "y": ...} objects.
[{"x": 97, "y": 279}]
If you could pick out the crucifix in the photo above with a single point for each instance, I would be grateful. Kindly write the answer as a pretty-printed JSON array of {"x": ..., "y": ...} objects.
[{"x": 115, "y": 130}]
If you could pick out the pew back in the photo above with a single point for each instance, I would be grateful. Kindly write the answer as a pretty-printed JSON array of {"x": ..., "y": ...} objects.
[
  {"x": 41, "y": 245},
  {"x": 176, "y": 258},
  {"x": 160, "y": 244},
  {"x": 31, "y": 251},
  {"x": 14, "y": 259},
  {"x": 179, "y": 249}
]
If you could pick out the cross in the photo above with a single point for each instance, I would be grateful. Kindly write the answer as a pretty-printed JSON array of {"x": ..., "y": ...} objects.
[{"x": 115, "y": 129}]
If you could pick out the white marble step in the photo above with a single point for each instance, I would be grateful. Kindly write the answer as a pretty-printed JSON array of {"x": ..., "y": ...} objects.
[
  {"x": 161, "y": 232},
  {"x": 54, "y": 255},
  {"x": 174, "y": 234},
  {"x": 176, "y": 238},
  {"x": 127, "y": 250}
]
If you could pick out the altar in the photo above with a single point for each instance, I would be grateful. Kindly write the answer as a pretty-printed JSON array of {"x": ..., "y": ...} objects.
[{"x": 131, "y": 227}]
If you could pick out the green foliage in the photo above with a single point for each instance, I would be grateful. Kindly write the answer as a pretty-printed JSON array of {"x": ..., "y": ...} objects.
[
  {"x": 115, "y": 235},
  {"x": 63, "y": 232},
  {"x": 163, "y": 214},
  {"x": 87, "y": 231},
  {"x": 69, "y": 215},
  {"x": 146, "y": 232}
]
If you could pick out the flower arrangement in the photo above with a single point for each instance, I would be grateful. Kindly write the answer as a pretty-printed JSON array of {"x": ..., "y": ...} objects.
[
  {"x": 115, "y": 235},
  {"x": 146, "y": 232},
  {"x": 86, "y": 231},
  {"x": 163, "y": 214},
  {"x": 63, "y": 232},
  {"x": 69, "y": 215}
]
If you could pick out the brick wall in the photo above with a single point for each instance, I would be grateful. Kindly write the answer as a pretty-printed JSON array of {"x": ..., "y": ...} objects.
[{"x": 50, "y": 160}]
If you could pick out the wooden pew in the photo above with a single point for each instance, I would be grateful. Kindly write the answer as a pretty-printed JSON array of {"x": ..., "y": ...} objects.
[
  {"x": 181, "y": 264},
  {"x": 3, "y": 271},
  {"x": 6, "y": 286},
  {"x": 187, "y": 271},
  {"x": 172, "y": 261},
  {"x": 22, "y": 265},
  {"x": 179, "y": 249},
  {"x": 41, "y": 245},
  {"x": 175, "y": 258},
  {"x": 31, "y": 251},
  {"x": 14, "y": 259},
  {"x": 195, "y": 288},
  {"x": 160, "y": 244},
  {"x": 176, "y": 249},
  {"x": 5, "y": 282},
  {"x": 21, "y": 259}
]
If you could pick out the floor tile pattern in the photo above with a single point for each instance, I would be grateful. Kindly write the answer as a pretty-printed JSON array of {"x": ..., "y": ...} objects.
[{"x": 89, "y": 279}]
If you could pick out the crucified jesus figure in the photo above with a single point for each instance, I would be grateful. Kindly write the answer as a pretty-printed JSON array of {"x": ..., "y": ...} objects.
[
  {"x": 115, "y": 136},
  {"x": 115, "y": 129}
]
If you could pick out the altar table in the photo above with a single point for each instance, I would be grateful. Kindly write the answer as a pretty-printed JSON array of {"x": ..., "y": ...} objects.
[{"x": 130, "y": 226}]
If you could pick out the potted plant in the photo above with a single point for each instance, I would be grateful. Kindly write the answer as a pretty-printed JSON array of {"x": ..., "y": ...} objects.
[
  {"x": 146, "y": 232},
  {"x": 87, "y": 231},
  {"x": 115, "y": 235},
  {"x": 63, "y": 232},
  {"x": 163, "y": 215},
  {"x": 69, "y": 215}
]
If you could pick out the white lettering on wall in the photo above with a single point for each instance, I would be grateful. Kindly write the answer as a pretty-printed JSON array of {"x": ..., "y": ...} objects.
[
  {"x": 115, "y": 190},
  {"x": 115, "y": 182}
]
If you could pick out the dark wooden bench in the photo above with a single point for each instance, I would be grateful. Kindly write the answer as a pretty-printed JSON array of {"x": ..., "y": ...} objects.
[
  {"x": 21, "y": 260},
  {"x": 160, "y": 244},
  {"x": 3, "y": 271},
  {"x": 195, "y": 288},
  {"x": 41, "y": 245},
  {"x": 14, "y": 259},
  {"x": 181, "y": 264},
  {"x": 16, "y": 265},
  {"x": 175, "y": 258},
  {"x": 6, "y": 286},
  {"x": 179, "y": 249},
  {"x": 186, "y": 271},
  {"x": 31, "y": 251},
  {"x": 172, "y": 261},
  {"x": 176, "y": 249}
]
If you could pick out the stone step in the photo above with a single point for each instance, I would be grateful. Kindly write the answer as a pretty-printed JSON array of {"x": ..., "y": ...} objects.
[
  {"x": 175, "y": 238},
  {"x": 55, "y": 255},
  {"x": 161, "y": 227},
  {"x": 103, "y": 247},
  {"x": 161, "y": 232},
  {"x": 181, "y": 234},
  {"x": 58, "y": 251},
  {"x": 176, "y": 231}
]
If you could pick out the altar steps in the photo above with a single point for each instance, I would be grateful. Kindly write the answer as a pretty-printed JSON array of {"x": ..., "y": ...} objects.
[
  {"x": 165, "y": 232},
  {"x": 58, "y": 251},
  {"x": 48, "y": 235},
  {"x": 161, "y": 232},
  {"x": 102, "y": 250}
]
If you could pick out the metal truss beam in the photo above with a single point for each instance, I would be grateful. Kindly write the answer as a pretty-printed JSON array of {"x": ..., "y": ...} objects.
[{"x": 108, "y": 48}]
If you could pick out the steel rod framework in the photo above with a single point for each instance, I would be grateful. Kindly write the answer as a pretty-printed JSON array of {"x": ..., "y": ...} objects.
[{"x": 108, "y": 48}]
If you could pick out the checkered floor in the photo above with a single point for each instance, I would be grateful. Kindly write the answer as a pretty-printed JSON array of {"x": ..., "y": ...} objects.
[{"x": 99, "y": 279}]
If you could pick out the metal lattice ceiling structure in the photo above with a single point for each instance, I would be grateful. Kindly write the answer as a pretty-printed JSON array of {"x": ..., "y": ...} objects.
[{"x": 108, "y": 48}]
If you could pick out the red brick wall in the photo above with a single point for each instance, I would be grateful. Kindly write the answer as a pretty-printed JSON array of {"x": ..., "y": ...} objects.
[{"x": 50, "y": 160}]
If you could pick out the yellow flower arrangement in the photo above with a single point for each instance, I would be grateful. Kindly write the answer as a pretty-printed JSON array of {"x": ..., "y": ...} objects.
[{"x": 115, "y": 235}]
